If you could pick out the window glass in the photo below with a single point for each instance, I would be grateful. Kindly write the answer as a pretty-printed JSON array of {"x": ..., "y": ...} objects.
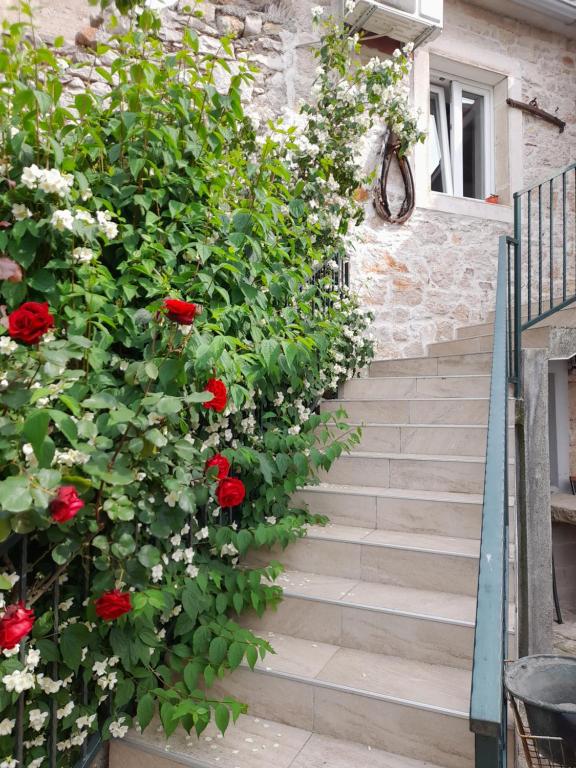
[{"x": 473, "y": 149}]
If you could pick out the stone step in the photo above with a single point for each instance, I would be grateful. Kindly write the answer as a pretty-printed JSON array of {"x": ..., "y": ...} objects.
[
  {"x": 396, "y": 388},
  {"x": 563, "y": 313},
  {"x": 406, "y": 559},
  {"x": 463, "y": 411},
  {"x": 533, "y": 337},
  {"x": 435, "y": 627},
  {"x": 251, "y": 742},
  {"x": 462, "y": 439},
  {"x": 417, "y": 511},
  {"x": 456, "y": 474},
  {"x": 433, "y": 366},
  {"x": 564, "y": 318},
  {"x": 399, "y": 705}
]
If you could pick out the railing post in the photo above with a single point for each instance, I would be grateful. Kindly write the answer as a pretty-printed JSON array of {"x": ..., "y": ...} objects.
[{"x": 517, "y": 292}]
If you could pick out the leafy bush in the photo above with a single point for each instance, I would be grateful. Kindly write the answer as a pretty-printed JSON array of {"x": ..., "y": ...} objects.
[{"x": 175, "y": 308}]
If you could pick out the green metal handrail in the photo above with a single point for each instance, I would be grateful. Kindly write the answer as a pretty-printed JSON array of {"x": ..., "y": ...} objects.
[
  {"x": 488, "y": 714},
  {"x": 537, "y": 257}
]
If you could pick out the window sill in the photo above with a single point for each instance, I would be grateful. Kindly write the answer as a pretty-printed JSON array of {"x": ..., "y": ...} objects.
[{"x": 466, "y": 206}]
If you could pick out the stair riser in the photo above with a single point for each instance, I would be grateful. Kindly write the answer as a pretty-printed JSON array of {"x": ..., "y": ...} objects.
[
  {"x": 380, "y": 564},
  {"x": 474, "y": 330},
  {"x": 124, "y": 755},
  {"x": 430, "y": 440},
  {"x": 362, "y": 629},
  {"x": 442, "y": 518},
  {"x": 412, "y": 411},
  {"x": 453, "y": 476},
  {"x": 422, "y": 734},
  {"x": 533, "y": 337},
  {"x": 433, "y": 366},
  {"x": 416, "y": 387}
]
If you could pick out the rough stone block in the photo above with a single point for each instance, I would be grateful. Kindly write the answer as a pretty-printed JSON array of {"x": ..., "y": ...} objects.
[
  {"x": 252, "y": 25},
  {"x": 230, "y": 25},
  {"x": 86, "y": 38}
]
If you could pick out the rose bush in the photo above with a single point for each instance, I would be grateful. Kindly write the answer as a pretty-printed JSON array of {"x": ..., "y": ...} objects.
[{"x": 145, "y": 445}]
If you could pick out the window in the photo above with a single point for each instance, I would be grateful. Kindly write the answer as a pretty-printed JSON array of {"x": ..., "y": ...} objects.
[{"x": 461, "y": 137}]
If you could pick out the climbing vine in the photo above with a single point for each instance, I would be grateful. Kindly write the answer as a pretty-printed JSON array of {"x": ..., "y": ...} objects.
[{"x": 173, "y": 310}]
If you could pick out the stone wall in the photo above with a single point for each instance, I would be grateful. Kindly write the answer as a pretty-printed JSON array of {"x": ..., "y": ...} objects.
[
  {"x": 423, "y": 279},
  {"x": 572, "y": 415}
]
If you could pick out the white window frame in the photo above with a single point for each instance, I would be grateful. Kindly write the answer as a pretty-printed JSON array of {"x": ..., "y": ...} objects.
[
  {"x": 442, "y": 131},
  {"x": 457, "y": 85}
]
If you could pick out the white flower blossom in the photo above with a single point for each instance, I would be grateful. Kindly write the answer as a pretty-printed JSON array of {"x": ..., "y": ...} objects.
[
  {"x": 316, "y": 12},
  {"x": 100, "y": 667},
  {"x": 82, "y": 255},
  {"x": 37, "y": 719},
  {"x": 31, "y": 175},
  {"x": 66, "y": 710},
  {"x": 32, "y": 658},
  {"x": 271, "y": 519},
  {"x": 7, "y": 346},
  {"x": 228, "y": 549},
  {"x": 37, "y": 742},
  {"x": 48, "y": 685},
  {"x": 7, "y": 726},
  {"x": 84, "y": 216},
  {"x": 117, "y": 730},
  {"x": 202, "y": 534},
  {"x": 21, "y": 212},
  {"x": 62, "y": 220},
  {"x": 85, "y": 721},
  {"x": 8, "y": 762},
  {"x": 107, "y": 226},
  {"x": 18, "y": 681},
  {"x": 36, "y": 763},
  {"x": 157, "y": 572},
  {"x": 55, "y": 183}
]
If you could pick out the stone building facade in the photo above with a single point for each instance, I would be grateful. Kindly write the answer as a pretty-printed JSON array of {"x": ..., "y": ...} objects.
[{"x": 436, "y": 272}]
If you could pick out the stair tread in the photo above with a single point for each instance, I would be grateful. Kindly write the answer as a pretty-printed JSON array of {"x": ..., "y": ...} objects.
[
  {"x": 419, "y": 357},
  {"x": 417, "y": 683},
  {"x": 399, "y": 539},
  {"x": 415, "y": 456},
  {"x": 254, "y": 742},
  {"x": 441, "y": 606},
  {"x": 398, "y": 493}
]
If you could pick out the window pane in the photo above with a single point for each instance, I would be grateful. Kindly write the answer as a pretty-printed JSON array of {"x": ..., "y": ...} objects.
[{"x": 473, "y": 150}]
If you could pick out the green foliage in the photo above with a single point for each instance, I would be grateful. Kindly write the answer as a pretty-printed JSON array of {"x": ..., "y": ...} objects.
[{"x": 166, "y": 189}]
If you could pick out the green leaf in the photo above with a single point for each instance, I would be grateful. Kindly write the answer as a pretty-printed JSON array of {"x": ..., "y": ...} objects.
[
  {"x": 235, "y": 654},
  {"x": 15, "y": 494},
  {"x": 124, "y": 693},
  {"x": 251, "y": 656},
  {"x": 191, "y": 675},
  {"x": 217, "y": 651},
  {"x": 145, "y": 710},
  {"x": 149, "y": 555},
  {"x": 222, "y": 717},
  {"x": 267, "y": 468},
  {"x": 35, "y": 429}
]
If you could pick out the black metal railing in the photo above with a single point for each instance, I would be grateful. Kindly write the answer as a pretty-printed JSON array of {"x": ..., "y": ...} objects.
[
  {"x": 544, "y": 271},
  {"x": 21, "y": 555}
]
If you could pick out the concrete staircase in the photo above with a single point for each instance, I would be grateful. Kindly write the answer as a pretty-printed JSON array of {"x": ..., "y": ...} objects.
[{"x": 374, "y": 638}]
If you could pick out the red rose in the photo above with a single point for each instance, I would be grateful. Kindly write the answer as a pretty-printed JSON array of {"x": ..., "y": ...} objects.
[
  {"x": 15, "y": 624},
  {"x": 113, "y": 604},
  {"x": 218, "y": 389},
  {"x": 66, "y": 505},
  {"x": 221, "y": 462},
  {"x": 230, "y": 492},
  {"x": 30, "y": 322},
  {"x": 182, "y": 312}
]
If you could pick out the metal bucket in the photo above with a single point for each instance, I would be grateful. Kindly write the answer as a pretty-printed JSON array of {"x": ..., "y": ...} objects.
[{"x": 547, "y": 687}]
